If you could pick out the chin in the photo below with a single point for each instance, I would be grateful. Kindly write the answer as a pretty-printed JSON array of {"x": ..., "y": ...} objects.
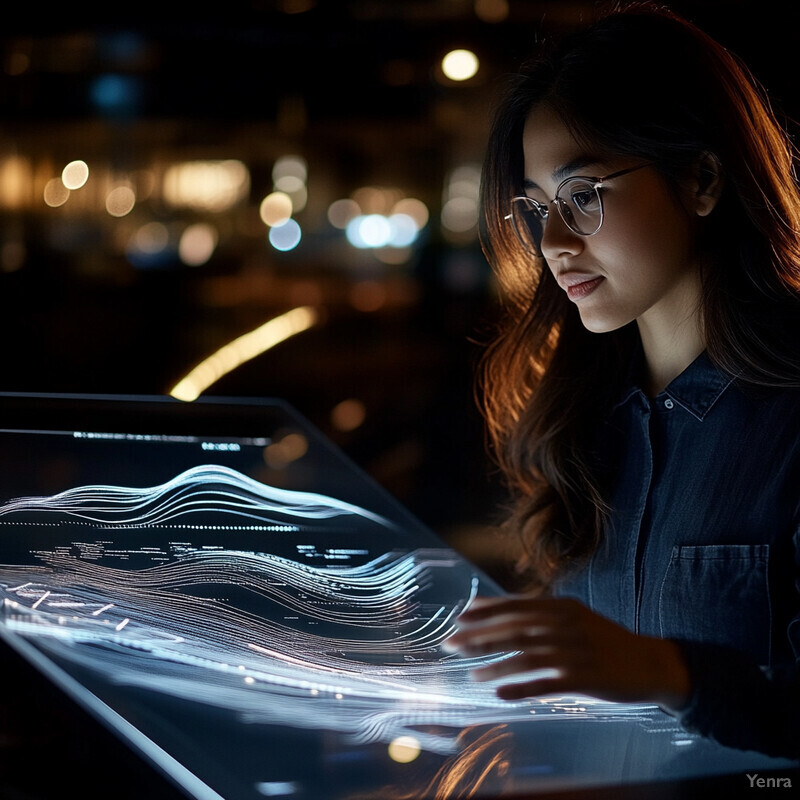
[{"x": 598, "y": 323}]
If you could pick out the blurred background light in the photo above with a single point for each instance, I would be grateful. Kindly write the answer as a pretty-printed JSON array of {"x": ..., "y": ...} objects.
[
  {"x": 290, "y": 167},
  {"x": 404, "y": 749},
  {"x": 492, "y": 11},
  {"x": 120, "y": 201},
  {"x": 197, "y": 244},
  {"x": 460, "y": 214},
  {"x": 242, "y": 349},
  {"x": 15, "y": 181},
  {"x": 415, "y": 209},
  {"x": 275, "y": 208},
  {"x": 290, "y": 447},
  {"x": 348, "y": 415},
  {"x": 460, "y": 65},
  {"x": 286, "y": 236},
  {"x": 342, "y": 211},
  {"x": 75, "y": 174},
  {"x": 402, "y": 230},
  {"x": 207, "y": 185},
  {"x": 55, "y": 193},
  {"x": 116, "y": 95}
]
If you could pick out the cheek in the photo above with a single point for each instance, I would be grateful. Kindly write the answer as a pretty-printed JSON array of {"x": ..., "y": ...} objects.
[{"x": 650, "y": 243}]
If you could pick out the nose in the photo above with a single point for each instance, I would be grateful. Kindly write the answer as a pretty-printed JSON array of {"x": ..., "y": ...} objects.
[{"x": 558, "y": 241}]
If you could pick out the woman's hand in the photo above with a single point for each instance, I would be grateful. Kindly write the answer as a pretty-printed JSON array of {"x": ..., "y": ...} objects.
[{"x": 583, "y": 652}]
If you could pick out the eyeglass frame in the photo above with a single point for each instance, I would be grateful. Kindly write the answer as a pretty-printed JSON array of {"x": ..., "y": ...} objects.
[{"x": 596, "y": 183}]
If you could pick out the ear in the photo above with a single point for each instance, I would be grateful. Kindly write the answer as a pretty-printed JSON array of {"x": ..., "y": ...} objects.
[{"x": 707, "y": 183}]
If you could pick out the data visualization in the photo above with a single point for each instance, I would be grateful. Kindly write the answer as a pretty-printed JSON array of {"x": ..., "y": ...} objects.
[{"x": 260, "y": 621}]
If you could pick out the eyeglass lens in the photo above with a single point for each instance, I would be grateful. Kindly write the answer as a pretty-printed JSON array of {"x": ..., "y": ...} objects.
[{"x": 578, "y": 202}]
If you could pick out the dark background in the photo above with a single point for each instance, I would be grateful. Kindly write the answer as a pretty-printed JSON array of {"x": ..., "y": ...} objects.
[{"x": 356, "y": 90}]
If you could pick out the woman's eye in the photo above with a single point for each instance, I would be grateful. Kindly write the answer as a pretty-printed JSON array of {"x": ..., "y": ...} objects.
[
  {"x": 585, "y": 199},
  {"x": 539, "y": 208}
]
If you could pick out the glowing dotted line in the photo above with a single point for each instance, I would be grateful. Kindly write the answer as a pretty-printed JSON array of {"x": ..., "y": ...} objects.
[{"x": 275, "y": 528}]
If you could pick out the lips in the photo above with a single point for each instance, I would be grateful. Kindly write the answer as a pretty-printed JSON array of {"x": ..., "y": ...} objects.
[{"x": 578, "y": 285}]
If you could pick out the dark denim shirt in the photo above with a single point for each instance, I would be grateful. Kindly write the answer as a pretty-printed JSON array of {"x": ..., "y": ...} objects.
[{"x": 703, "y": 547}]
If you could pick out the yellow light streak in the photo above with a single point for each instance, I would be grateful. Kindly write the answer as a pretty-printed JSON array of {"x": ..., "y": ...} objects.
[{"x": 242, "y": 349}]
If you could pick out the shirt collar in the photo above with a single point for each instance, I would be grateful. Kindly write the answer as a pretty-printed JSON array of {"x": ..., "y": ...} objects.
[{"x": 696, "y": 389}]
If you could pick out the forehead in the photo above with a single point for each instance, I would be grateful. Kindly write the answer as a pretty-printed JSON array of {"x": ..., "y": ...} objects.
[{"x": 551, "y": 150}]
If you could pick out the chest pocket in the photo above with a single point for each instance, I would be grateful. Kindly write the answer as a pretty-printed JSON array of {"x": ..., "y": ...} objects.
[{"x": 719, "y": 594}]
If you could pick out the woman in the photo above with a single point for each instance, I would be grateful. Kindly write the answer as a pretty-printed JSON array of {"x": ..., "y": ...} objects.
[{"x": 642, "y": 397}]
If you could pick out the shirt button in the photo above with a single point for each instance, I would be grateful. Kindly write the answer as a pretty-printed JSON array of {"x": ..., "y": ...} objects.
[{"x": 668, "y": 403}]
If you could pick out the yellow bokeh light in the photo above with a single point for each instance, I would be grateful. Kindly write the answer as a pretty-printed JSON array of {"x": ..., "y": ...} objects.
[
  {"x": 414, "y": 208},
  {"x": 15, "y": 181},
  {"x": 55, "y": 193},
  {"x": 348, "y": 415},
  {"x": 197, "y": 244},
  {"x": 376, "y": 199},
  {"x": 491, "y": 10},
  {"x": 290, "y": 448},
  {"x": 75, "y": 174},
  {"x": 207, "y": 185},
  {"x": 120, "y": 201},
  {"x": 275, "y": 209},
  {"x": 404, "y": 749},
  {"x": 460, "y": 65}
]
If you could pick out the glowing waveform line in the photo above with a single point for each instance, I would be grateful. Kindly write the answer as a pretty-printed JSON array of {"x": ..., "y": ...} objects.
[
  {"x": 242, "y": 349},
  {"x": 168, "y": 500},
  {"x": 164, "y": 577}
]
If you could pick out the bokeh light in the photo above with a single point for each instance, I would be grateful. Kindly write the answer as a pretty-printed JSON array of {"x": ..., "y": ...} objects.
[
  {"x": 460, "y": 214},
  {"x": 55, "y": 193},
  {"x": 207, "y": 185},
  {"x": 415, "y": 209},
  {"x": 120, "y": 201},
  {"x": 15, "y": 181},
  {"x": 348, "y": 415},
  {"x": 404, "y": 749},
  {"x": 75, "y": 174},
  {"x": 197, "y": 244},
  {"x": 460, "y": 65},
  {"x": 275, "y": 209},
  {"x": 284, "y": 451},
  {"x": 290, "y": 167},
  {"x": 491, "y": 10},
  {"x": 285, "y": 237},
  {"x": 343, "y": 211}
]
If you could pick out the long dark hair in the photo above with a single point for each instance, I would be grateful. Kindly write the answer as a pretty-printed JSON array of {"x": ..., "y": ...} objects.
[{"x": 642, "y": 82}]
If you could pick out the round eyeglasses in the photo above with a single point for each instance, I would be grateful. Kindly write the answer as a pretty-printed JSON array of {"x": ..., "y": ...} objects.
[{"x": 579, "y": 201}]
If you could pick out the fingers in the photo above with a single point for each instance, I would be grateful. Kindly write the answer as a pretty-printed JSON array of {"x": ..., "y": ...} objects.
[
  {"x": 510, "y": 639},
  {"x": 508, "y": 624},
  {"x": 551, "y": 607},
  {"x": 519, "y": 664},
  {"x": 550, "y": 644}
]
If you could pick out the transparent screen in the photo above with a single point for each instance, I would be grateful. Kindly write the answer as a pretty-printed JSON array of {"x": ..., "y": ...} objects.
[{"x": 258, "y": 619}]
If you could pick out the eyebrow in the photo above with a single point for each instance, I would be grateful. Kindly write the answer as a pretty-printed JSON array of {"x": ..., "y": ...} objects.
[{"x": 565, "y": 170}]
